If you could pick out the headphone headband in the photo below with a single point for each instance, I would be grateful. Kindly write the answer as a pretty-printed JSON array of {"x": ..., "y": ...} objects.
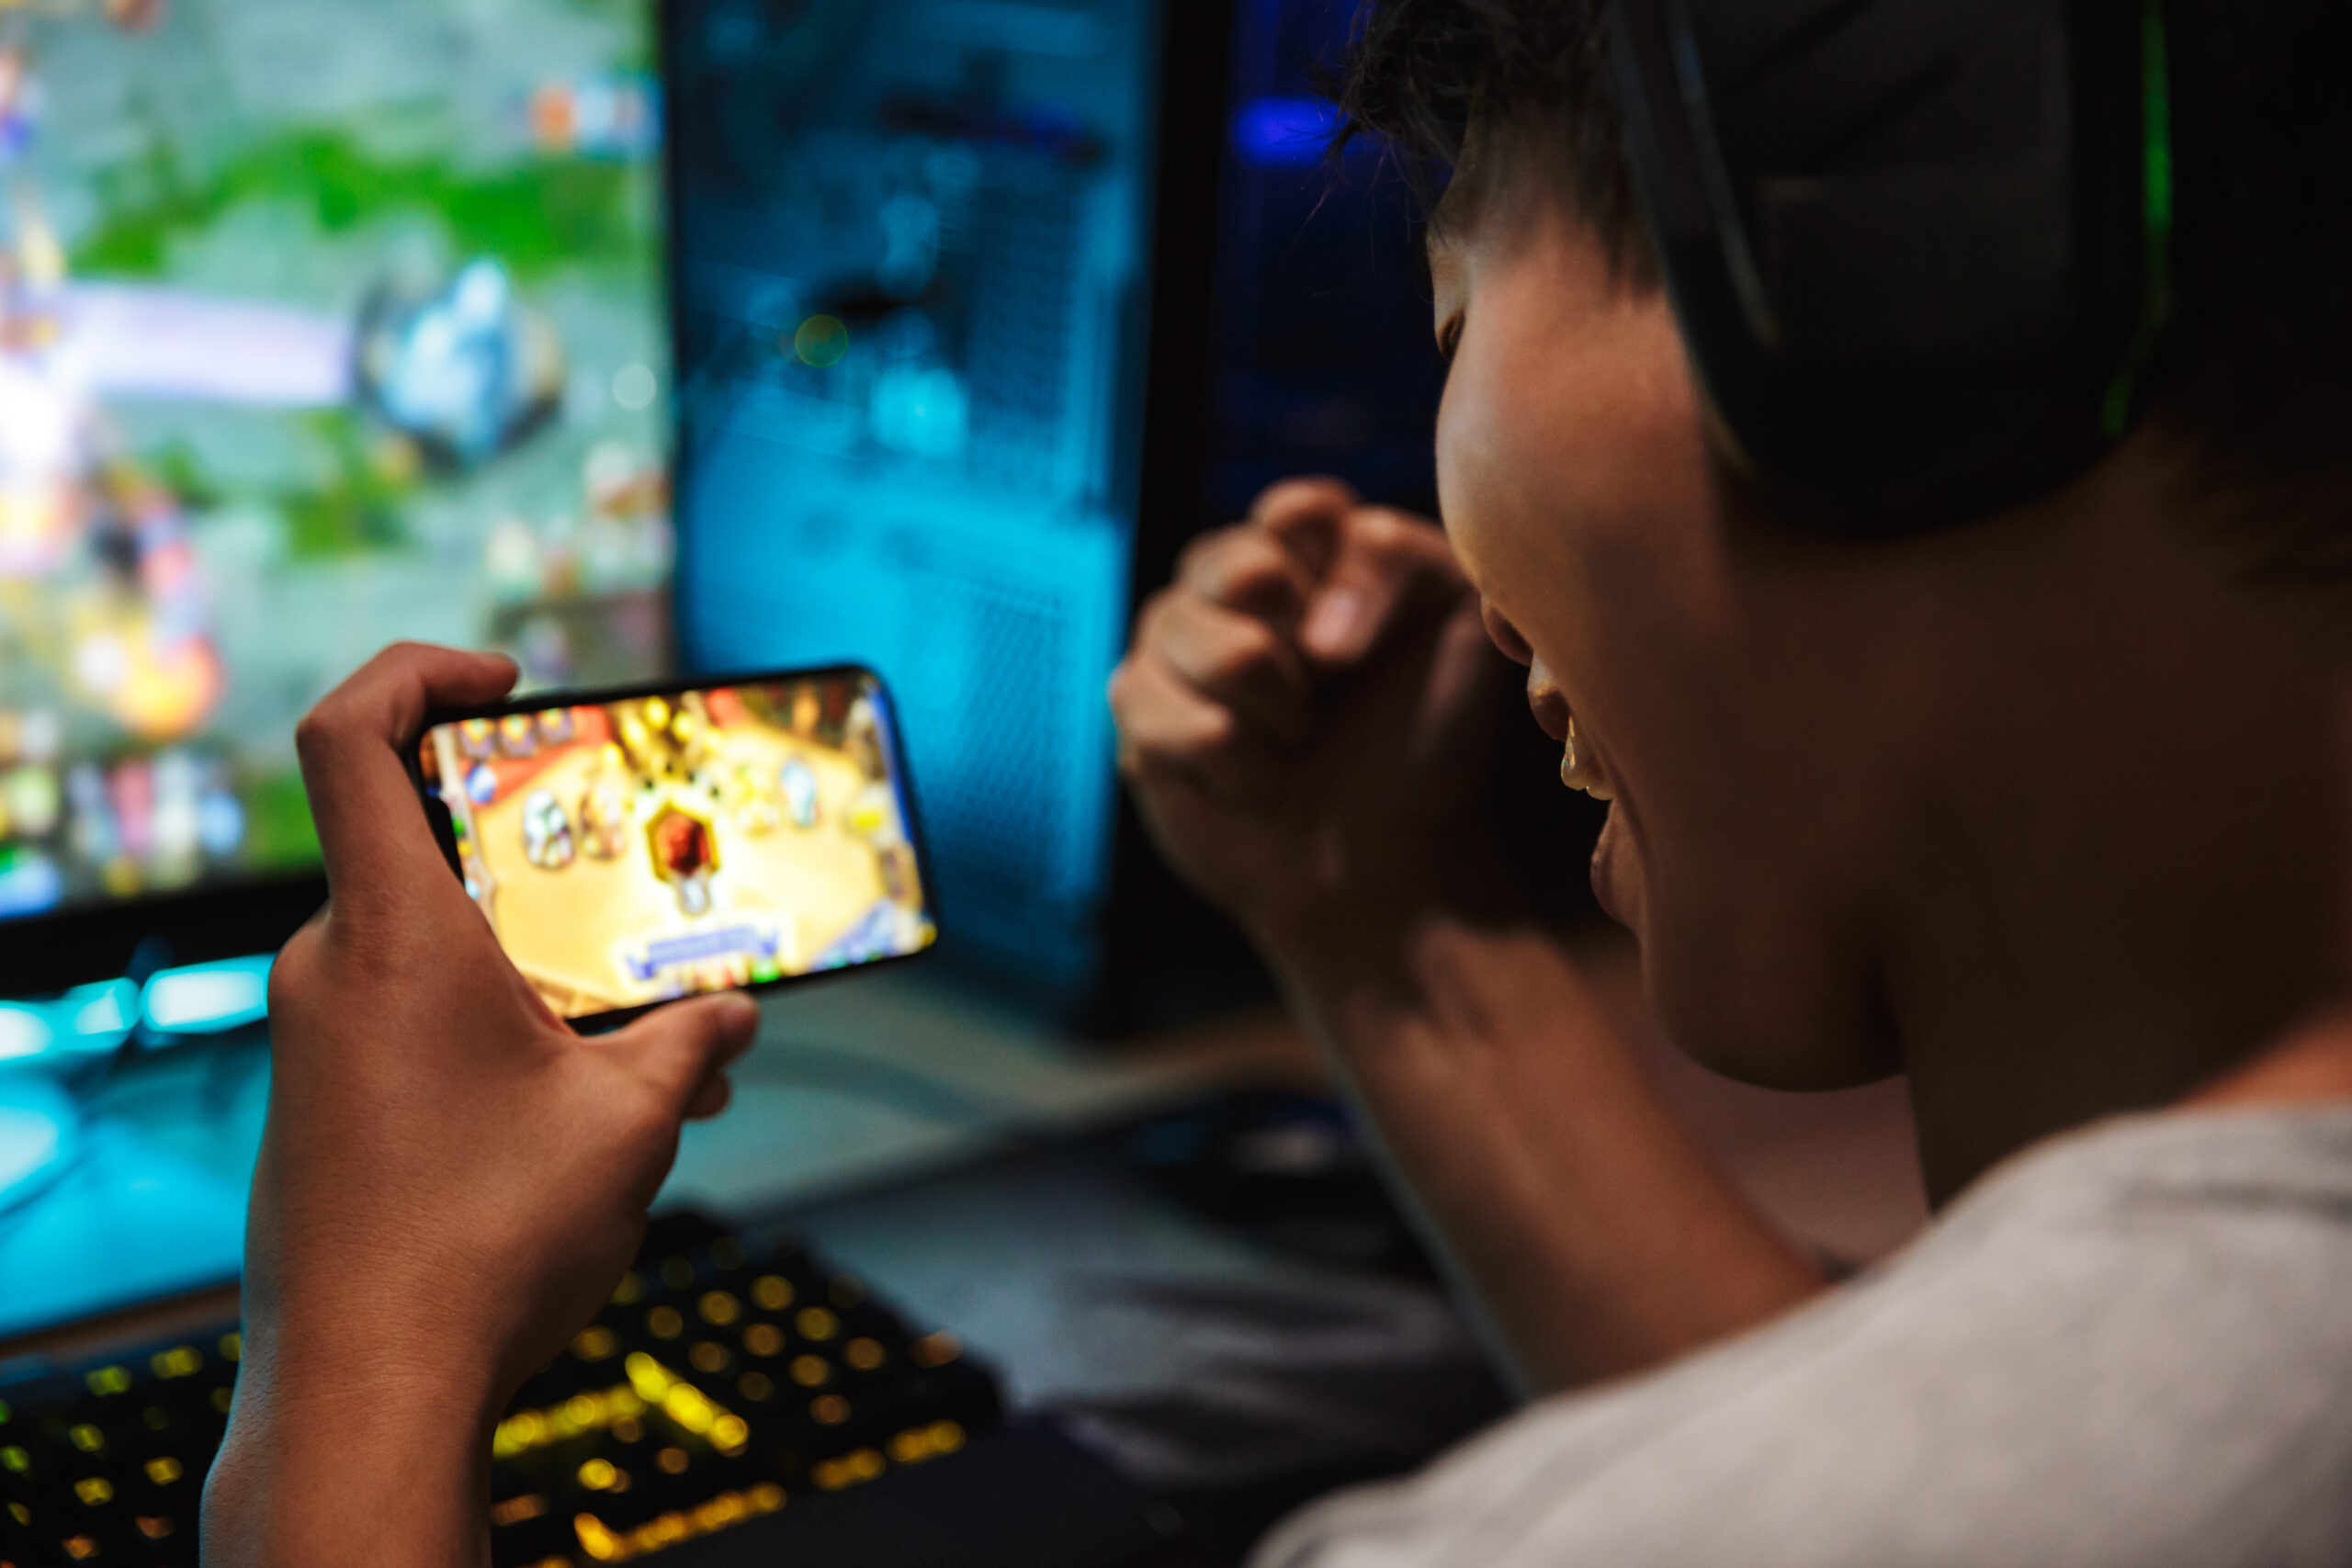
[{"x": 1918, "y": 248}]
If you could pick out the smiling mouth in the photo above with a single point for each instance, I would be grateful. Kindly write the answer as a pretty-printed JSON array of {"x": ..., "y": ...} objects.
[{"x": 1579, "y": 769}]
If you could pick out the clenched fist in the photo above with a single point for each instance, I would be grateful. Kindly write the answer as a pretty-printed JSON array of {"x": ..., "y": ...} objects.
[{"x": 1306, "y": 712}]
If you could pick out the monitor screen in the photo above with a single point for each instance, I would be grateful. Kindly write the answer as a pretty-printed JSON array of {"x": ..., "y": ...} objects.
[
  {"x": 913, "y": 270},
  {"x": 323, "y": 323}
]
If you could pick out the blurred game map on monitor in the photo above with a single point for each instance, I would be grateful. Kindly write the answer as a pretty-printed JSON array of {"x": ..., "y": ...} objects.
[{"x": 322, "y": 322}]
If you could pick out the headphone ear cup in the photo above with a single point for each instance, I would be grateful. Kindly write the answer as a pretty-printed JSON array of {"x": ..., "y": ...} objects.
[{"x": 1905, "y": 239}]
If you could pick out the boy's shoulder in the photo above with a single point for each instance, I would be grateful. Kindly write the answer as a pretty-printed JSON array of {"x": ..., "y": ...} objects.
[{"x": 2126, "y": 1346}]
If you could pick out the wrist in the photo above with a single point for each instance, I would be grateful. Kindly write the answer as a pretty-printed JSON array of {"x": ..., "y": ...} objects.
[
  {"x": 345, "y": 1443},
  {"x": 1344, "y": 932}
]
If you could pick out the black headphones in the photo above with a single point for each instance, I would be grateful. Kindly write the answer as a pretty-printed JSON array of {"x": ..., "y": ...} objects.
[{"x": 1919, "y": 249}]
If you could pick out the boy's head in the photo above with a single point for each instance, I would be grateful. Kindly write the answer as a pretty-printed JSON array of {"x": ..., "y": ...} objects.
[
  {"x": 2255, "y": 369},
  {"x": 1812, "y": 743}
]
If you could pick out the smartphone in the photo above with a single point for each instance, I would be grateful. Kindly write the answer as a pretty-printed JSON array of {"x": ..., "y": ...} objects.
[{"x": 631, "y": 847}]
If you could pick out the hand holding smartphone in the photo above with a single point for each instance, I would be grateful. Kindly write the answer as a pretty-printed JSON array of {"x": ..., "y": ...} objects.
[{"x": 630, "y": 847}]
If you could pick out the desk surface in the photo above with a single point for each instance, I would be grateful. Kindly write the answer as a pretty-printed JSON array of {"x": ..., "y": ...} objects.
[
  {"x": 914, "y": 1134},
  {"x": 849, "y": 1083},
  {"x": 909, "y": 1129},
  {"x": 852, "y": 1084}
]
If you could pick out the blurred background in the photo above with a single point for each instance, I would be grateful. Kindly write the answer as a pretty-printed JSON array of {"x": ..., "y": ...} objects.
[{"x": 721, "y": 337}]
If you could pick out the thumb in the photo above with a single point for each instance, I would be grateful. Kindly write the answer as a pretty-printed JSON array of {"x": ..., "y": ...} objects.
[
  {"x": 1470, "y": 689},
  {"x": 683, "y": 1049}
]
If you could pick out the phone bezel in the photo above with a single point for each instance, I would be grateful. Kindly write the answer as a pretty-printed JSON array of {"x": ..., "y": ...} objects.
[{"x": 538, "y": 702}]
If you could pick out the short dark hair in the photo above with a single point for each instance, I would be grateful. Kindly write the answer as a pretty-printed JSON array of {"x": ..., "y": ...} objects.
[
  {"x": 2254, "y": 381},
  {"x": 1534, "y": 77}
]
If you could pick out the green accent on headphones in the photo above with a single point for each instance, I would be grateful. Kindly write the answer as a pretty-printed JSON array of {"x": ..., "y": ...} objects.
[{"x": 2155, "y": 71}]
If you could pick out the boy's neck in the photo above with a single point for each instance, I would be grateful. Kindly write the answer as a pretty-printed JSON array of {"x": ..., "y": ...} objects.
[
  {"x": 2312, "y": 1066},
  {"x": 2130, "y": 880}
]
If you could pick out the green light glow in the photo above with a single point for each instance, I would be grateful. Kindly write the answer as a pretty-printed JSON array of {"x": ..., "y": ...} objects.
[
  {"x": 820, "y": 342},
  {"x": 2156, "y": 198}
]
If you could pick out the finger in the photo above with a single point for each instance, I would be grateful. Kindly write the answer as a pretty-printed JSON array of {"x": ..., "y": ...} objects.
[
  {"x": 1235, "y": 660},
  {"x": 1170, "y": 791},
  {"x": 679, "y": 1049},
  {"x": 1164, "y": 724},
  {"x": 1462, "y": 663},
  {"x": 1391, "y": 569},
  {"x": 1304, "y": 516},
  {"x": 1246, "y": 568},
  {"x": 717, "y": 1091},
  {"x": 372, "y": 831},
  {"x": 1308, "y": 495}
]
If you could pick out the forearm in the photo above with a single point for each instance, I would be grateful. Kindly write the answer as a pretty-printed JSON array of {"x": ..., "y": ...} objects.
[
  {"x": 1589, "y": 1227},
  {"x": 367, "y": 1466}
]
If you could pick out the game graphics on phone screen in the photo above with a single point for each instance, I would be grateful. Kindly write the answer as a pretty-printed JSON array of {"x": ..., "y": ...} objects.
[{"x": 633, "y": 850}]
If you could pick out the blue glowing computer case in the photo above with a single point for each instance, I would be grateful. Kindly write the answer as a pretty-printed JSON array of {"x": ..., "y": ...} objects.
[{"x": 943, "y": 273}]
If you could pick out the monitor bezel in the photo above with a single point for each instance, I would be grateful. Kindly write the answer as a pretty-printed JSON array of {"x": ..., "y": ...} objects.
[
  {"x": 1167, "y": 955},
  {"x": 43, "y": 954}
]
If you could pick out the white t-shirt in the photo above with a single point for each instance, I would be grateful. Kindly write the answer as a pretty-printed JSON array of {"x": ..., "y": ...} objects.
[{"x": 2129, "y": 1345}]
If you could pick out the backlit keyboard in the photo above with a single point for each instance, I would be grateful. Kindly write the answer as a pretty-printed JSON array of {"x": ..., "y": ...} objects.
[{"x": 724, "y": 1379}]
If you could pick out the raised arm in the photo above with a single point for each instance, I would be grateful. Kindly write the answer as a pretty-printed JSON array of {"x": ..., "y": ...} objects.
[
  {"x": 450, "y": 1180},
  {"x": 1303, "y": 720}
]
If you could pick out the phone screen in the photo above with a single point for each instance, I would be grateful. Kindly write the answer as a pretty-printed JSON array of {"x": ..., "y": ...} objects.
[{"x": 635, "y": 848}]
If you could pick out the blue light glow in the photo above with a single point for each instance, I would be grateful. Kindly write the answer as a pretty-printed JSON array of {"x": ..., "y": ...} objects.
[
  {"x": 35, "y": 1128},
  {"x": 23, "y": 1032},
  {"x": 1283, "y": 132},
  {"x": 922, "y": 411},
  {"x": 99, "y": 1016},
  {"x": 29, "y": 882},
  {"x": 86, "y": 1019},
  {"x": 209, "y": 998}
]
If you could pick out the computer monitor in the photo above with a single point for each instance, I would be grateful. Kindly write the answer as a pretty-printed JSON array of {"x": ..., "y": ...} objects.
[
  {"x": 942, "y": 276},
  {"x": 323, "y": 323},
  {"x": 424, "y": 240},
  {"x": 1325, "y": 358}
]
